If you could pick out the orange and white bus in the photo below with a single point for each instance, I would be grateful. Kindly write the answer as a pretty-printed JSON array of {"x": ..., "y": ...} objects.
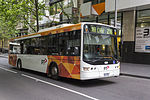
[{"x": 80, "y": 51}]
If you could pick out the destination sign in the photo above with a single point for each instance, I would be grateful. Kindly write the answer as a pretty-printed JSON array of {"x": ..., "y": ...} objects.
[{"x": 98, "y": 29}]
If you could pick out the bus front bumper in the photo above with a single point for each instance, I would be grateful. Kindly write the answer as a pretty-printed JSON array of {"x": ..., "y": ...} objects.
[{"x": 97, "y": 74}]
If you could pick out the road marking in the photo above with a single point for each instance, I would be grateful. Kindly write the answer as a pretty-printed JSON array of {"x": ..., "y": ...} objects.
[
  {"x": 8, "y": 70},
  {"x": 70, "y": 90},
  {"x": 138, "y": 78}
]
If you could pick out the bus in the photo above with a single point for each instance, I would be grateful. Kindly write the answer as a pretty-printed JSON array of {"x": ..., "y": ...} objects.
[{"x": 79, "y": 51}]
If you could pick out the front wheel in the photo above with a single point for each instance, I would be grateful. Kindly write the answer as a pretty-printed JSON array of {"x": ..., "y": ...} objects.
[{"x": 54, "y": 72}]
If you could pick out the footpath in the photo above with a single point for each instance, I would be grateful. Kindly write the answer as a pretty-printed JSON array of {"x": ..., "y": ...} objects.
[
  {"x": 4, "y": 55},
  {"x": 135, "y": 70},
  {"x": 127, "y": 69}
]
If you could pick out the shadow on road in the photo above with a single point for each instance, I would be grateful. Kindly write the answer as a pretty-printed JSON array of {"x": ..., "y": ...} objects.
[
  {"x": 87, "y": 83},
  {"x": 75, "y": 82},
  {"x": 79, "y": 83}
]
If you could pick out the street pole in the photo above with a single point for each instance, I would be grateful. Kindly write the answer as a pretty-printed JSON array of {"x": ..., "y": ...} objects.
[
  {"x": 116, "y": 25},
  {"x": 78, "y": 4},
  {"x": 115, "y": 13},
  {"x": 2, "y": 45}
]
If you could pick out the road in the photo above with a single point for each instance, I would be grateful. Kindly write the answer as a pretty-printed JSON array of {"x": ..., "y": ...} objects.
[{"x": 30, "y": 85}]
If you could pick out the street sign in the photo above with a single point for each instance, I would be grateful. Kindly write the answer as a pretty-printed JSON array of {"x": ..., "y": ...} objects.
[{"x": 142, "y": 43}]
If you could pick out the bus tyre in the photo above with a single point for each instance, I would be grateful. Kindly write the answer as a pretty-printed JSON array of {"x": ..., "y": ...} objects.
[
  {"x": 54, "y": 72},
  {"x": 19, "y": 65}
]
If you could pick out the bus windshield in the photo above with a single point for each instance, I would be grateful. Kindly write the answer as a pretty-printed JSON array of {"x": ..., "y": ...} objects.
[{"x": 99, "y": 44}]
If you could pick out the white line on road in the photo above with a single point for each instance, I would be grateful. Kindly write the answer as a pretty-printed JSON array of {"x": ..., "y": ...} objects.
[
  {"x": 8, "y": 70},
  {"x": 70, "y": 90},
  {"x": 137, "y": 78}
]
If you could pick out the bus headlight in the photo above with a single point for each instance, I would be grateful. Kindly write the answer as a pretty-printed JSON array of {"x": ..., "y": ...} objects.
[
  {"x": 118, "y": 67},
  {"x": 86, "y": 68}
]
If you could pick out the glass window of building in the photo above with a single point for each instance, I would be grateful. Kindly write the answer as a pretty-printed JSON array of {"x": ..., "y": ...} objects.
[
  {"x": 57, "y": 7},
  {"x": 91, "y": 18},
  {"x": 68, "y": 3},
  {"x": 103, "y": 18},
  {"x": 119, "y": 21},
  {"x": 143, "y": 18},
  {"x": 94, "y": 1}
]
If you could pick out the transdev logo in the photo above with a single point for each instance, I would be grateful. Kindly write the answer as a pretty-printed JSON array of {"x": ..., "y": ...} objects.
[
  {"x": 43, "y": 61},
  {"x": 105, "y": 68}
]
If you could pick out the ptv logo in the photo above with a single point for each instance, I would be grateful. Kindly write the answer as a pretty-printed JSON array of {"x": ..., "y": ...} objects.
[
  {"x": 43, "y": 61},
  {"x": 107, "y": 67}
]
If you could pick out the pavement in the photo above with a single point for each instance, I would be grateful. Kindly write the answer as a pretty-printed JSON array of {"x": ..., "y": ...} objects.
[
  {"x": 5, "y": 55},
  {"x": 135, "y": 70},
  {"x": 127, "y": 69}
]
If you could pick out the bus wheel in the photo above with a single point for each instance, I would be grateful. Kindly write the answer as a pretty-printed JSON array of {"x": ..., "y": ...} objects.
[
  {"x": 54, "y": 72},
  {"x": 19, "y": 65}
]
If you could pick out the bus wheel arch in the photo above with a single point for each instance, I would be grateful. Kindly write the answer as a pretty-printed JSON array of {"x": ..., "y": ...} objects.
[
  {"x": 53, "y": 71},
  {"x": 19, "y": 64}
]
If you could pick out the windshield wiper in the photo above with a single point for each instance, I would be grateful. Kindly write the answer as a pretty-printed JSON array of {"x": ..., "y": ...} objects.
[
  {"x": 112, "y": 57},
  {"x": 104, "y": 58},
  {"x": 98, "y": 59}
]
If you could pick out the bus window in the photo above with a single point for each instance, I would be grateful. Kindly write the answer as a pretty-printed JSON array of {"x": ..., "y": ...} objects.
[
  {"x": 63, "y": 37},
  {"x": 73, "y": 44},
  {"x": 43, "y": 45},
  {"x": 27, "y": 46},
  {"x": 14, "y": 48},
  {"x": 53, "y": 42}
]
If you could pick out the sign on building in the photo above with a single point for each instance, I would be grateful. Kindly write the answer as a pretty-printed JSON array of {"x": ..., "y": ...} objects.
[
  {"x": 88, "y": 9},
  {"x": 142, "y": 43}
]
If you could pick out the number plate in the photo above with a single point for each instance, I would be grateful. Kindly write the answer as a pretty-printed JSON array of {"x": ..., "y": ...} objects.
[{"x": 106, "y": 74}]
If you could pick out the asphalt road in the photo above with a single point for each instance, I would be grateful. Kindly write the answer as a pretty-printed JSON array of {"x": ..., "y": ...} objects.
[{"x": 30, "y": 85}]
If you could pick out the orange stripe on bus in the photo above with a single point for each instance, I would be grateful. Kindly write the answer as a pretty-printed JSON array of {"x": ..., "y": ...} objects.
[{"x": 54, "y": 31}]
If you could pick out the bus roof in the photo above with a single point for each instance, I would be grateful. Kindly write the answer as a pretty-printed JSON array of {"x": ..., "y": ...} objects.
[
  {"x": 56, "y": 29},
  {"x": 52, "y": 30},
  {"x": 111, "y": 26},
  {"x": 17, "y": 44}
]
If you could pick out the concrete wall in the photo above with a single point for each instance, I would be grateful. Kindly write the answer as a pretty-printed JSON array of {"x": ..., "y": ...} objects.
[
  {"x": 128, "y": 48},
  {"x": 125, "y": 4},
  {"x": 128, "y": 33},
  {"x": 128, "y": 28}
]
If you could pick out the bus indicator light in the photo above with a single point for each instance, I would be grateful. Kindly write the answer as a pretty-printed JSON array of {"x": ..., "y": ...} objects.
[{"x": 114, "y": 61}]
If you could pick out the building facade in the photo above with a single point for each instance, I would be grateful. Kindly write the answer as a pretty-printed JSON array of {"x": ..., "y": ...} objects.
[
  {"x": 133, "y": 20},
  {"x": 135, "y": 29},
  {"x": 3, "y": 45}
]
